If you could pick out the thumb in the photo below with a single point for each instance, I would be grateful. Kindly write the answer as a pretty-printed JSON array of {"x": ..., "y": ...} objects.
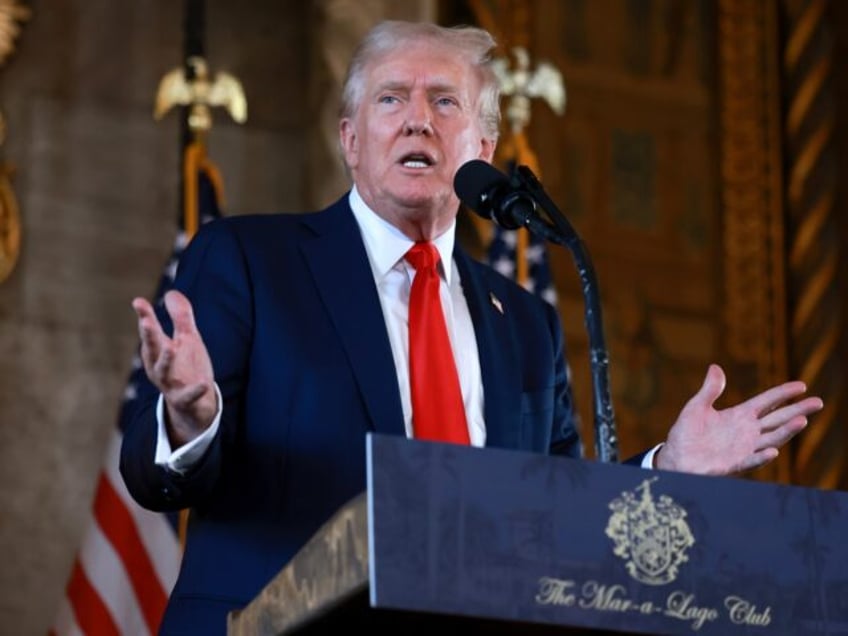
[
  {"x": 712, "y": 388},
  {"x": 182, "y": 315}
]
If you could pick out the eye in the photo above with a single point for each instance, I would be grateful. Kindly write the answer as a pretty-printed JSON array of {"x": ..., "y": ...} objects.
[
  {"x": 388, "y": 99},
  {"x": 446, "y": 101}
]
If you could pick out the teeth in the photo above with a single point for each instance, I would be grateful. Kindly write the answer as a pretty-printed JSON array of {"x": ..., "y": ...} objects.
[{"x": 415, "y": 163}]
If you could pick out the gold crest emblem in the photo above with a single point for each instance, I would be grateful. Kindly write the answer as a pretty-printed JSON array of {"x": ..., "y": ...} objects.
[{"x": 651, "y": 536}]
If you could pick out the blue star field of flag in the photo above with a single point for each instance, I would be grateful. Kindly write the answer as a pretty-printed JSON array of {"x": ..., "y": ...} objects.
[{"x": 502, "y": 257}]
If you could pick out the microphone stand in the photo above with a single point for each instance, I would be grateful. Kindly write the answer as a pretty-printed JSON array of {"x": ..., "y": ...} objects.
[{"x": 562, "y": 232}]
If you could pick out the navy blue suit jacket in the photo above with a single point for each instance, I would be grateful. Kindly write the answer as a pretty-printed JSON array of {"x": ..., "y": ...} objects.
[{"x": 288, "y": 308}]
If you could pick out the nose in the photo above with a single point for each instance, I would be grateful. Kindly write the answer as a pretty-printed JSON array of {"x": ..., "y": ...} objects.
[
  {"x": 417, "y": 128},
  {"x": 418, "y": 120}
]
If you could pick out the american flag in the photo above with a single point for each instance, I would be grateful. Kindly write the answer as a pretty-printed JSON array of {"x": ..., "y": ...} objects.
[
  {"x": 128, "y": 562},
  {"x": 503, "y": 256}
]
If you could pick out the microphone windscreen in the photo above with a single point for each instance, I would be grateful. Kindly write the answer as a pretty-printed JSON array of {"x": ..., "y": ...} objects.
[{"x": 474, "y": 182}]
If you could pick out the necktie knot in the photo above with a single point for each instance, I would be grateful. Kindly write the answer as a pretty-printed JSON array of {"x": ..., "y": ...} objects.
[{"x": 422, "y": 256}]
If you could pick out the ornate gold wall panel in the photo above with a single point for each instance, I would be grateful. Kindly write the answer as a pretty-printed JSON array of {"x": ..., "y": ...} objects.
[{"x": 751, "y": 187}]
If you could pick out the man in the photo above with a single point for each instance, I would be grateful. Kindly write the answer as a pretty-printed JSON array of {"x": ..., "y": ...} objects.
[{"x": 290, "y": 339}]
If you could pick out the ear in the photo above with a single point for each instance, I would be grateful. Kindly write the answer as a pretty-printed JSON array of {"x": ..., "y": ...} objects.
[
  {"x": 487, "y": 149},
  {"x": 349, "y": 142}
]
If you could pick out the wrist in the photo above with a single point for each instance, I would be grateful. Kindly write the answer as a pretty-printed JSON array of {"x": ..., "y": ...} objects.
[{"x": 184, "y": 425}]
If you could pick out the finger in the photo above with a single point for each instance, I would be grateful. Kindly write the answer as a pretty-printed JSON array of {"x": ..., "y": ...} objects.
[
  {"x": 141, "y": 306},
  {"x": 779, "y": 416},
  {"x": 782, "y": 434},
  {"x": 150, "y": 332},
  {"x": 162, "y": 367},
  {"x": 180, "y": 310},
  {"x": 712, "y": 388},
  {"x": 770, "y": 399},
  {"x": 759, "y": 458}
]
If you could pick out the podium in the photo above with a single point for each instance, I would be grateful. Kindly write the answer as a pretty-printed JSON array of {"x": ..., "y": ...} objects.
[{"x": 490, "y": 541}]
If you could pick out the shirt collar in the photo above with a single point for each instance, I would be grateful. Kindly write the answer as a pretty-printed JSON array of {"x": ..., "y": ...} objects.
[{"x": 386, "y": 244}]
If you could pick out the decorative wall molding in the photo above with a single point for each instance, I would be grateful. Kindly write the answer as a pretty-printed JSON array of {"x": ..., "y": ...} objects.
[{"x": 751, "y": 183}]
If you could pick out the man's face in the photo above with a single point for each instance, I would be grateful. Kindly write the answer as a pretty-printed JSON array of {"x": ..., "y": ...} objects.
[{"x": 418, "y": 122}]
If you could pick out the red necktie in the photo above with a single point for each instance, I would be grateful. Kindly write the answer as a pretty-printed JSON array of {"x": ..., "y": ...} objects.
[{"x": 438, "y": 412}]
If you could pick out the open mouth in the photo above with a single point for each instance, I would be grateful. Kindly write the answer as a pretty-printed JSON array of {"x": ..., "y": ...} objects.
[{"x": 416, "y": 160}]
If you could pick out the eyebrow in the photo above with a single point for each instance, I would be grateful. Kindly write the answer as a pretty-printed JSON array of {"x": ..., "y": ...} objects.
[{"x": 439, "y": 87}]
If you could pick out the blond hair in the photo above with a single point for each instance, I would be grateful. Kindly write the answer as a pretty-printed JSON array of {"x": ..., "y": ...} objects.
[{"x": 472, "y": 44}]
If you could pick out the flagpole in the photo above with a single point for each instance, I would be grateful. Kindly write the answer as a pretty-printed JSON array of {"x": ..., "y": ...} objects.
[
  {"x": 196, "y": 91},
  {"x": 194, "y": 47}
]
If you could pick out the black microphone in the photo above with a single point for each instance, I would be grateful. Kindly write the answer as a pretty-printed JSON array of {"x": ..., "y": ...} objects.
[
  {"x": 492, "y": 195},
  {"x": 489, "y": 192}
]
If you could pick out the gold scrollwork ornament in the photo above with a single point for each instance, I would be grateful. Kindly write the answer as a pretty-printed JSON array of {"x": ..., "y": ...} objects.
[
  {"x": 10, "y": 220},
  {"x": 10, "y": 224},
  {"x": 12, "y": 13}
]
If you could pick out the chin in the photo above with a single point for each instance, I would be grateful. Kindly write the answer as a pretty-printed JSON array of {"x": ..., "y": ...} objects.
[
  {"x": 425, "y": 201},
  {"x": 423, "y": 191}
]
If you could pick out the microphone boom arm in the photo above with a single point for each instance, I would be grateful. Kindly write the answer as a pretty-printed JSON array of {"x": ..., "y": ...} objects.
[{"x": 562, "y": 233}]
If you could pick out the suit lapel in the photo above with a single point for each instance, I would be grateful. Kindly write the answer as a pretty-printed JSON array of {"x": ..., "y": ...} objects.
[
  {"x": 339, "y": 264},
  {"x": 499, "y": 363}
]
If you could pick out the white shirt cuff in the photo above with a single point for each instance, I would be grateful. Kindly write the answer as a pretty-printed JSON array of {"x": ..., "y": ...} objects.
[
  {"x": 187, "y": 455},
  {"x": 648, "y": 459}
]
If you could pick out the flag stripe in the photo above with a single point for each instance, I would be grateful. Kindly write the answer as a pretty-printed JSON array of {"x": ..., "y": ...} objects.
[
  {"x": 91, "y": 612},
  {"x": 129, "y": 562},
  {"x": 106, "y": 574},
  {"x": 155, "y": 531},
  {"x": 117, "y": 525}
]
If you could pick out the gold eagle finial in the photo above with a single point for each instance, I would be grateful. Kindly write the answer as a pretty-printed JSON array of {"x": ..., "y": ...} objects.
[
  {"x": 201, "y": 94},
  {"x": 521, "y": 85}
]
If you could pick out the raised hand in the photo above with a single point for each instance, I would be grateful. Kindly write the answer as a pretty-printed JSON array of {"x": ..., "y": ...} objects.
[
  {"x": 178, "y": 366},
  {"x": 708, "y": 441}
]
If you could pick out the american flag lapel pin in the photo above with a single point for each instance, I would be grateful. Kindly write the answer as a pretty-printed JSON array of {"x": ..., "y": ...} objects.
[{"x": 496, "y": 303}]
